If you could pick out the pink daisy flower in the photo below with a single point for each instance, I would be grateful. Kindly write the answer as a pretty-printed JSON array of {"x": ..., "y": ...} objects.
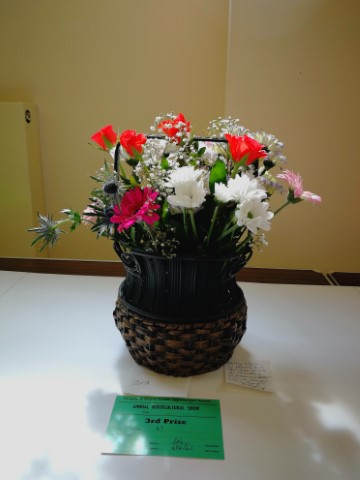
[
  {"x": 294, "y": 181},
  {"x": 136, "y": 205}
]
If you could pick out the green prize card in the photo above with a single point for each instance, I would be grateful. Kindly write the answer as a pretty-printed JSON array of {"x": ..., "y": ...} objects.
[{"x": 176, "y": 427}]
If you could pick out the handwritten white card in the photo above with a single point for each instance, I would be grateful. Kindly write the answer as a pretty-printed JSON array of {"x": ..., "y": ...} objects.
[
  {"x": 142, "y": 381},
  {"x": 250, "y": 374}
]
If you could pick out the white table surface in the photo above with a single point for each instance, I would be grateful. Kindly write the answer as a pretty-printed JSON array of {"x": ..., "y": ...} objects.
[{"x": 62, "y": 360}]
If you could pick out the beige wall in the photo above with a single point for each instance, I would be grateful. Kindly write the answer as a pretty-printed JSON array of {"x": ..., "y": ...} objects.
[
  {"x": 292, "y": 70},
  {"x": 20, "y": 179},
  {"x": 86, "y": 63}
]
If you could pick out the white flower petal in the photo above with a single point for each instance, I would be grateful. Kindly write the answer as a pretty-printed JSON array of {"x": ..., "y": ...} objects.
[
  {"x": 254, "y": 215},
  {"x": 183, "y": 174},
  {"x": 190, "y": 194},
  {"x": 245, "y": 187},
  {"x": 222, "y": 193}
]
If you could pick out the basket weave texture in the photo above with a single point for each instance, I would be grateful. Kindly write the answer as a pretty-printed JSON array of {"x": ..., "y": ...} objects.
[{"x": 180, "y": 349}]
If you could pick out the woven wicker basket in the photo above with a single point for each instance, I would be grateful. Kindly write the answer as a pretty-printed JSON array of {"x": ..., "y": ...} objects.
[
  {"x": 181, "y": 316},
  {"x": 180, "y": 349}
]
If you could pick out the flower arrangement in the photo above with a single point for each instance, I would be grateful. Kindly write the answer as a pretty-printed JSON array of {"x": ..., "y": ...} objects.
[{"x": 172, "y": 193}]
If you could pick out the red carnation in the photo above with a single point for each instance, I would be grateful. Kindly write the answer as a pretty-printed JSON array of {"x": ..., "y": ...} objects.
[
  {"x": 131, "y": 141},
  {"x": 106, "y": 137},
  {"x": 244, "y": 146}
]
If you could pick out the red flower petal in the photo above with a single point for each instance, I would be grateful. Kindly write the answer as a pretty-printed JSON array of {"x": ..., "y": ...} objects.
[
  {"x": 105, "y": 137},
  {"x": 130, "y": 140},
  {"x": 240, "y": 146}
]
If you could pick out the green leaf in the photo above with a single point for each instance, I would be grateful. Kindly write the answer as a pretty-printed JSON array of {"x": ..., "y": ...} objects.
[
  {"x": 96, "y": 179},
  {"x": 109, "y": 145},
  {"x": 292, "y": 199},
  {"x": 201, "y": 151},
  {"x": 74, "y": 216},
  {"x": 125, "y": 180},
  {"x": 165, "y": 211},
  {"x": 132, "y": 162},
  {"x": 217, "y": 174},
  {"x": 133, "y": 181},
  {"x": 192, "y": 162},
  {"x": 132, "y": 234},
  {"x": 165, "y": 164}
]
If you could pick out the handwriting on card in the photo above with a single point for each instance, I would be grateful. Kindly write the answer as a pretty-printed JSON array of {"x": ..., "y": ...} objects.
[
  {"x": 256, "y": 375},
  {"x": 140, "y": 382}
]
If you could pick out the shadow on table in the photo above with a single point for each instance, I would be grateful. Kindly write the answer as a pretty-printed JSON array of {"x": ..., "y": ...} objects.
[
  {"x": 322, "y": 422},
  {"x": 303, "y": 413}
]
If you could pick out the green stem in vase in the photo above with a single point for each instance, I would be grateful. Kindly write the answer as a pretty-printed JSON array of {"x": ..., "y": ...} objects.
[
  {"x": 228, "y": 231},
  {"x": 192, "y": 221},
  {"x": 186, "y": 230},
  {"x": 213, "y": 218}
]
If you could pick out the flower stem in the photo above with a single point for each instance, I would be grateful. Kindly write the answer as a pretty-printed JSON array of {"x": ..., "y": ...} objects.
[
  {"x": 235, "y": 170},
  {"x": 151, "y": 234},
  {"x": 192, "y": 221},
  {"x": 60, "y": 222},
  {"x": 122, "y": 170},
  {"x": 229, "y": 230},
  {"x": 244, "y": 242},
  {"x": 280, "y": 208},
  {"x": 185, "y": 222},
  {"x": 213, "y": 218}
]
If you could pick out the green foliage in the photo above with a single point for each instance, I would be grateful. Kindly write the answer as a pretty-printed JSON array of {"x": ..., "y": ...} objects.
[
  {"x": 217, "y": 174},
  {"x": 74, "y": 217}
]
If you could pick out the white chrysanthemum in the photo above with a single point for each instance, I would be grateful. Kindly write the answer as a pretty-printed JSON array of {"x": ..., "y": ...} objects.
[
  {"x": 240, "y": 189},
  {"x": 189, "y": 194},
  {"x": 188, "y": 184},
  {"x": 254, "y": 215},
  {"x": 182, "y": 175},
  {"x": 222, "y": 193},
  {"x": 245, "y": 187}
]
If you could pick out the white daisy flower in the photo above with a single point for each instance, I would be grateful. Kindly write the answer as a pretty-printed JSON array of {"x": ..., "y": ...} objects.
[
  {"x": 254, "y": 215},
  {"x": 222, "y": 193},
  {"x": 184, "y": 174},
  {"x": 240, "y": 189},
  {"x": 189, "y": 187},
  {"x": 189, "y": 194}
]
